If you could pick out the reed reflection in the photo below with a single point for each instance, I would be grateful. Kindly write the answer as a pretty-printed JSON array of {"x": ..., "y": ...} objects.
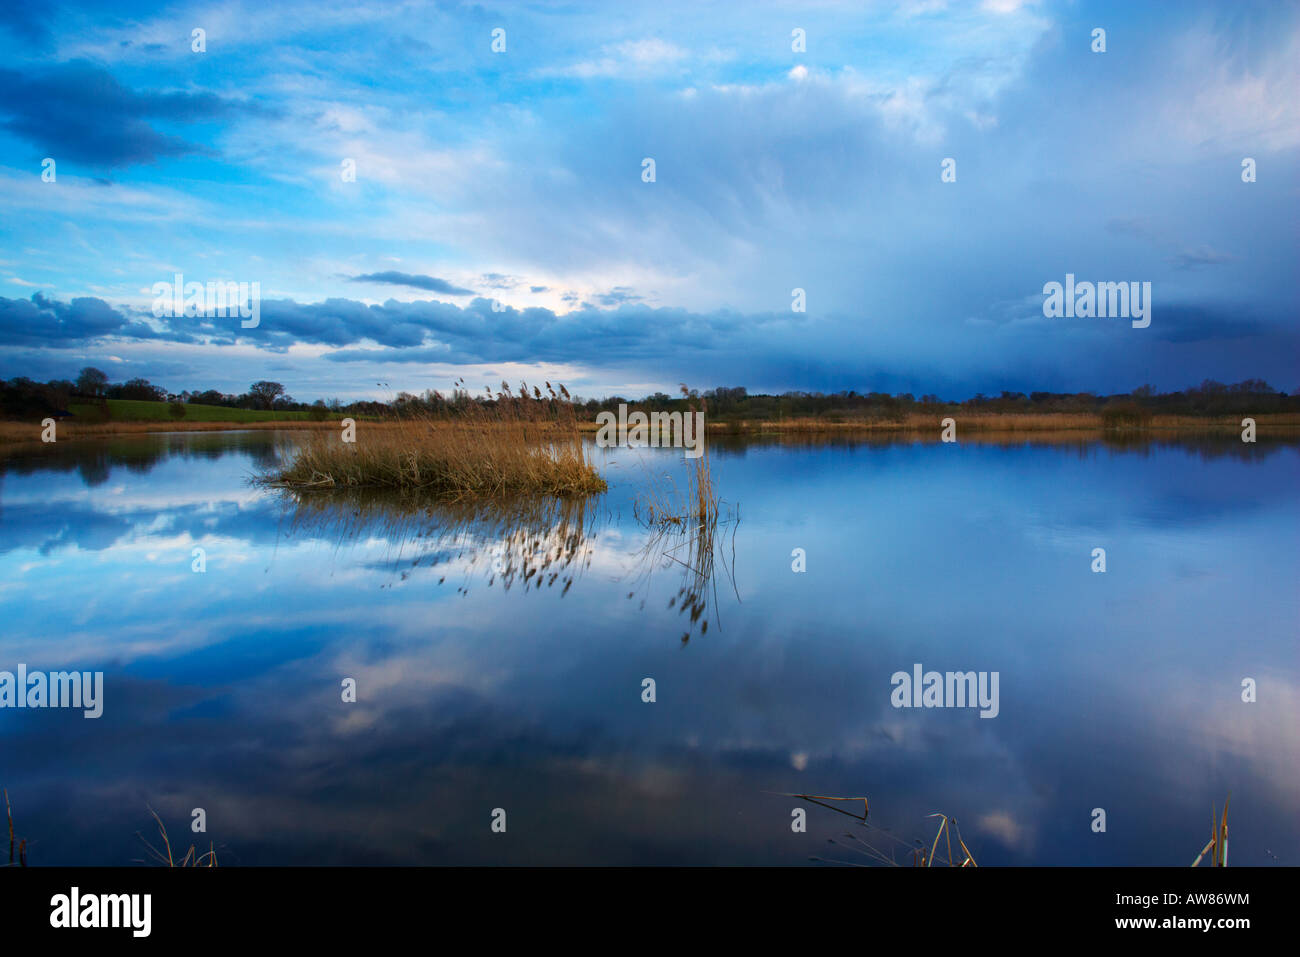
[
  {"x": 525, "y": 542},
  {"x": 697, "y": 551}
]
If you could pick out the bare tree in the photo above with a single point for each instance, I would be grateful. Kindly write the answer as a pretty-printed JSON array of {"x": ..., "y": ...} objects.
[
  {"x": 91, "y": 381},
  {"x": 265, "y": 393}
]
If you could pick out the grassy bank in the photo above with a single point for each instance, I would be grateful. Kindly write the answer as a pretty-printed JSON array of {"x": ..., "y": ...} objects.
[
  {"x": 132, "y": 410},
  {"x": 525, "y": 444}
]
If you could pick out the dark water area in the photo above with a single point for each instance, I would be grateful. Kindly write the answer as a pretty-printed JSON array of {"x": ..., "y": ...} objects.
[{"x": 499, "y": 652}]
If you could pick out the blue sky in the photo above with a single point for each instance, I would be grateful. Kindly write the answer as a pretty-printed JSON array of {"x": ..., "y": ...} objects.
[{"x": 517, "y": 177}]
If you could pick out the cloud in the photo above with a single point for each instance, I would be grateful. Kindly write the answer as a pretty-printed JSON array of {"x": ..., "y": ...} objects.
[
  {"x": 532, "y": 190},
  {"x": 496, "y": 280},
  {"x": 1006, "y": 6},
  {"x": 1190, "y": 322},
  {"x": 427, "y": 283},
  {"x": 657, "y": 347},
  {"x": 1003, "y": 826},
  {"x": 629, "y": 59},
  {"x": 617, "y": 296},
  {"x": 79, "y": 111},
  {"x": 1200, "y": 256},
  {"x": 1139, "y": 227},
  {"x": 54, "y": 325}
]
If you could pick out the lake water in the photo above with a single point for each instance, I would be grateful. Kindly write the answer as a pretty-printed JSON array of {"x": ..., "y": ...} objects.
[{"x": 499, "y": 657}]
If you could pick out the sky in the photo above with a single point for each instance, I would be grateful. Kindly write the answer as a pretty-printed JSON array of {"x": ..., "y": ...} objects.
[{"x": 500, "y": 224}]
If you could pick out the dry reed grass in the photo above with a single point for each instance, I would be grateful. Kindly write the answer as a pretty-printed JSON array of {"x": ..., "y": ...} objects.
[
  {"x": 514, "y": 444},
  {"x": 1217, "y": 847},
  {"x": 663, "y": 502},
  {"x": 920, "y": 856},
  {"x": 697, "y": 549},
  {"x": 22, "y": 844},
  {"x": 192, "y": 857}
]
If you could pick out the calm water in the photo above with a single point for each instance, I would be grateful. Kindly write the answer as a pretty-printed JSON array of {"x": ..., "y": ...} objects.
[{"x": 499, "y": 658}]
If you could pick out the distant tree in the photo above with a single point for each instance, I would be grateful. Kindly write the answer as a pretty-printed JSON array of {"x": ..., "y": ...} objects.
[
  {"x": 139, "y": 389},
  {"x": 318, "y": 412},
  {"x": 177, "y": 409},
  {"x": 1253, "y": 387},
  {"x": 91, "y": 381},
  {"x": 58, "y": 392},
  {"x": 265, "y": 393}
]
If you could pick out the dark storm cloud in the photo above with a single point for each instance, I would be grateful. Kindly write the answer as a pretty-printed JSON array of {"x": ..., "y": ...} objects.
[
  {"x": 640, "y": 343},
  {"x": 79, "y": 111},
  {"x": 57, "y": 325},
  {"x": 427, "y": 283},
  {"x": 1180, "y": 322},
  {"x": 478, "y": 334},
  {"x": 409, "y": 331}
]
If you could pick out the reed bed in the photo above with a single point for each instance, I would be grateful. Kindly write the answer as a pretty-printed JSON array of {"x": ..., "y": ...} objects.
[{"x": 503, "y": 445}]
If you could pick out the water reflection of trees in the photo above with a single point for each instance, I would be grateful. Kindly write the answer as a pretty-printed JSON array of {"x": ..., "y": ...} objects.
[
  {"x": 509, "y": 542},
  {"x": 95, "y": 458},
  {"x": 1139, "y": 442}
]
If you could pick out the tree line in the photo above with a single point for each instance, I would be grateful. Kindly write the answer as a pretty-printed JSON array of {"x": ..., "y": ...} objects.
[
  {"x": 21, "y": 397},
  {"x": 24, "y": 398},
  {"x": 1250, "y": 396}
]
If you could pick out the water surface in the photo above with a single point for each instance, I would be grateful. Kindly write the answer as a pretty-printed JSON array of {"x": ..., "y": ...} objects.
[{"x": 499, "y": 656}]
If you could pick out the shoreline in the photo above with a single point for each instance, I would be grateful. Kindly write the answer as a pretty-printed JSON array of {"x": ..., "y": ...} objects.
[
  {"x": 1076, "y": 425},
  {"x": 17, "y": 432},
  {"x": 1004, "y": 423}
]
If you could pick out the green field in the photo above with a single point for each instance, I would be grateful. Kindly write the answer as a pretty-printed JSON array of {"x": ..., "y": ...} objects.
[{"x": 132, "y": 410}]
